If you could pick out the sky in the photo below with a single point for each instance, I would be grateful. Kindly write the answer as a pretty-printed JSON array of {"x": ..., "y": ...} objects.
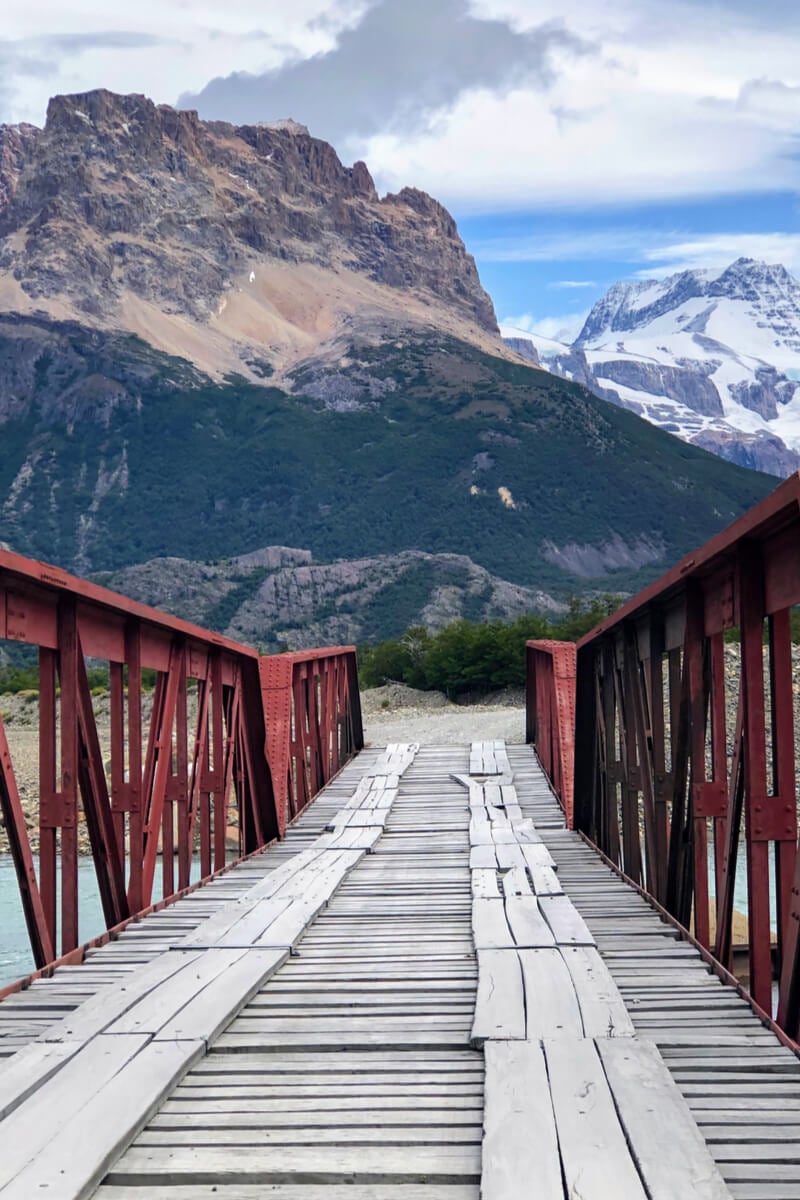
[{"x": 577, "y": 142}]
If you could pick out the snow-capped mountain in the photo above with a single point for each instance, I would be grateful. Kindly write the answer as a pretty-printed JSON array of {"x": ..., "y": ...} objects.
[{"x": 712, "y": 356}]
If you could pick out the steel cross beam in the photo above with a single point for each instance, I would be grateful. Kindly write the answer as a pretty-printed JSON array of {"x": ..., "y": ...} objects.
[
  {"x": 666, "y": 784},
  {"x": 233, "y": 746}
]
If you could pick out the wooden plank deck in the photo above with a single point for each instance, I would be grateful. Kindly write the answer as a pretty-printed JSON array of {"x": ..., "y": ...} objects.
[
  {"x": 352, "y": 1066},
  {"x": 26, "y": 1016},
  {"x": 331, "y": 1031},
  {"x": 740, "y": 1083}
]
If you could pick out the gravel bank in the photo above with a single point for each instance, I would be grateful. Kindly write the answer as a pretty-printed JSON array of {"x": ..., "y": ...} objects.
[{"x": 397, "y": 713}]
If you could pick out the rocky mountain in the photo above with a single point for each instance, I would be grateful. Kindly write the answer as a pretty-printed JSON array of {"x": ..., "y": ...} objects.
[
  {"x": 281, "y": 596},
  {"x": 711, "y": 356},
  {"x": 214, "y": 339},
  {"x": 241, "y": 249}
]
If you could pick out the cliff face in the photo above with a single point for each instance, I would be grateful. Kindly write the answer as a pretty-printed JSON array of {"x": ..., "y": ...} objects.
[
  {"x": 16, "y": 144},
  {"x": 134, "y": 215}
]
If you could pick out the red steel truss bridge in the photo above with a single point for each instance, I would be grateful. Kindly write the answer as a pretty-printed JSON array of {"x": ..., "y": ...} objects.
[{"x": 565, "y": 967}]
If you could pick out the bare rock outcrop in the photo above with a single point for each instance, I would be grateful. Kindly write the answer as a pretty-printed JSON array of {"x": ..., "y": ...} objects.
[
  {"x": 119, "y": 197},
  {"x": 278, "y": 594}
]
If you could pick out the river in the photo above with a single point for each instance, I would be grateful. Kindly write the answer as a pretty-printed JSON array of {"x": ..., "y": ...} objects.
[{"x": 15, "y": 952}]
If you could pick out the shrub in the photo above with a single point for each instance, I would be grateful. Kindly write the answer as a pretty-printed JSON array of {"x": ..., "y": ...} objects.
[{"x": 470, "y": 657}]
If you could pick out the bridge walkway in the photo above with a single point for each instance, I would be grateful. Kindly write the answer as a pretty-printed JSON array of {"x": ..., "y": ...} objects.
[
  {"x": 438, "y": 1031},
  {"x": 27, "y": 1015},
  {"x": 740, "y": 1082},
  {"x": 351, "y": 1068}
]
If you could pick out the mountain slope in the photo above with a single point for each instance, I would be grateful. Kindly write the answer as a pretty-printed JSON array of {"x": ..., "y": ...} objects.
[
  {"x": 335, "y": 380},
  {"x": 713, "y": 357},
  {"x": 280, "y": 596},
  {"x": 114, "y": 454}
]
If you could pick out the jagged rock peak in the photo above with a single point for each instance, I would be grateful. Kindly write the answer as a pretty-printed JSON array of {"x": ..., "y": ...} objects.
[{"x": 119, "y": 196}]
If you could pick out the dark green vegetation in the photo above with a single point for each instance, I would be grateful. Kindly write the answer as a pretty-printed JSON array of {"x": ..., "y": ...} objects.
[
  {"x": 14, "y": 679},
  {"x": 113, "y": 454},
  {"x": 23, "y": 676},
  {"x": 469, "y": 658}
]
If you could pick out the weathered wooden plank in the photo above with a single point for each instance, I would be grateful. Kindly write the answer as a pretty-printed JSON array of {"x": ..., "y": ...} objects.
[
  {"x": 500, "y": 1003},
  {"x": 509, "y": 856},
  {"x": 366, "y": 817},
  {"x": 152, "y": 1012},
  {"x": 484, "y": 884},
  {"x": 546, "y": 882},
  {"x": 342, "y": 1136},
  {"x": 490, "y": 929},
  {"x": 79, "y": 1152},
  {"x": 31, "y": 1067},
  {"x": 480, "y": 833},
  {"x": 315, "y": 1165},
  {"x": 568, "y": 926},
  {"x": 528, "y": 926},
  {"x": 550, "y": 1000},
  {"x": 291, "y": 1191},
  {"x": 213, "y": 1008},
  {"x": 595, "y": 1156},
  {"x": 32, "y": 1126},
  {"x": 483, "y": 858},
  {"x": 527, "y": 833},
  {"x": 672, "y": 1155},
  {"x": 602, "y": 1008},
  {"x": 537, "y": 856},
  {"x": 284, "y": 1114},
  {"x": 478, "y": 818},
  {"x": 520, "y": 1145},
  {"x": 516, "y": 882}
]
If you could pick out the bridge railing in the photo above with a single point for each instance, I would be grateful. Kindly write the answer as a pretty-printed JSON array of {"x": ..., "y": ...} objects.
[
  {"x": 202, "y": 744},
  {"x": 313, "y": 712},
  {"x": 685, "y": 772},
  {"x": 550, "y": 720},
  {"x": 685, "y": 725}
]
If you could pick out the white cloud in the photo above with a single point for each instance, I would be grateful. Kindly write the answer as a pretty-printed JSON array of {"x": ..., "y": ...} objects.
[
  {"x": 656, "y": 116},
  {"x": 771, "y": 100},
  {"x": 601, "y": 245},
  {"x": 557, "y": 329},
  {"x": 719, "y": 250},
  {"x": 192, "y": 41},
  {"x": 666, "y": 255},
  {"x": 570, "y": 285},
  {"x": 673, "y": 100}
]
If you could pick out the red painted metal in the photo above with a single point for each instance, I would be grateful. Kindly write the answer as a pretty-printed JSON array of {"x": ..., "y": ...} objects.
[
  {"x": 170, "y": 797},
  {"x": 665, "y": 790},
  {"x": 551, "y": 714},
  {"x": 722, "y": 973},
  {"x": 313, "y": 715}
]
